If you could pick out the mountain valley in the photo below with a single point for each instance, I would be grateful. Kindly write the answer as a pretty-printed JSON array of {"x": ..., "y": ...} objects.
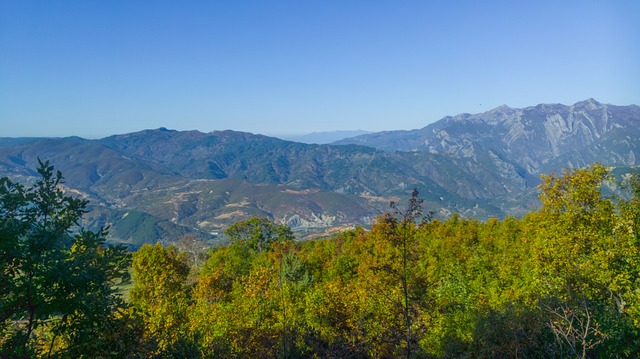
[{"x": 159, "y": 185}]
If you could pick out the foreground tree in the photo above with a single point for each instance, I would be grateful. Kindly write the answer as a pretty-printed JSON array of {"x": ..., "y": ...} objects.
[
  {"x": 585, "y": 253},
  {"x": 395, "y": 237},
  {"x": 402, "y": 233},
  {"x": 161, "y": 296},
  {"x": 248, "y": 292},
  {"x": 58, "y": 280}
]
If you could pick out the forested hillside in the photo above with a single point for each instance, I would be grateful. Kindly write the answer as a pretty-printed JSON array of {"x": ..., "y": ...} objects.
[
  {"x": 158, "y": 185},
  {"x": 560, "y": 282}
]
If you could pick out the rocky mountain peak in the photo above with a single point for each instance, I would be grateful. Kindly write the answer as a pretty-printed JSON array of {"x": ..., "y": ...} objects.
[
  {"x": 588, "y": 104},
  {"x": 532, "y": 137}
]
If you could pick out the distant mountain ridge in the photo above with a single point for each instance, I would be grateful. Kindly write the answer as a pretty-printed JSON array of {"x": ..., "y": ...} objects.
[
  {"x": 324, "y": 138},
  {"x": 162, "y": 184},
  {"x": 537, "y": 138}
]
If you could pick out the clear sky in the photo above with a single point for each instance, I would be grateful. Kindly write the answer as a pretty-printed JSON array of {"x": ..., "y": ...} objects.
[{"x": 94, "y": 68}]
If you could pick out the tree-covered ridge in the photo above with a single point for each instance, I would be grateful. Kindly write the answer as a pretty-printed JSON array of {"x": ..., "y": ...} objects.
[
  {"x": 560, "y": 282},
  {"x": 167, "y": 184}
]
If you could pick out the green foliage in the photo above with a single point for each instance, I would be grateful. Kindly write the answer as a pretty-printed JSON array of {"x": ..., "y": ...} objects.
[
  {"x": 58, "y": 281},
  {"x": 258, "y": 233},
  {"x": 560, "y": 282},
  {"x": 161, "y": 297},
  {"x": 400, "y": 229}
]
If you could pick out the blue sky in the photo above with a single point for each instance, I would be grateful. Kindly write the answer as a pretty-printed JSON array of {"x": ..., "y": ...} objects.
[{"x": 95, "y": 68}]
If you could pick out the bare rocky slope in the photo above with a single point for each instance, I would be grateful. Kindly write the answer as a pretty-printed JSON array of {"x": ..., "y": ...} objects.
[{"x": 537, "y": 139}]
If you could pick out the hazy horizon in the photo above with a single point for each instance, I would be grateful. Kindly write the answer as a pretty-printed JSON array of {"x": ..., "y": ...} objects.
[{"x": 287, "y": 136}]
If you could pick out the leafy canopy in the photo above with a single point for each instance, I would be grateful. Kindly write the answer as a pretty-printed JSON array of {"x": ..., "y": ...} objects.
[{"x": 58, "y": 279}]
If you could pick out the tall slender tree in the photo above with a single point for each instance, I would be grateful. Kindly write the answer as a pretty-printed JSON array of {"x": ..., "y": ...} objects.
[{"x": 402, "y": 225}]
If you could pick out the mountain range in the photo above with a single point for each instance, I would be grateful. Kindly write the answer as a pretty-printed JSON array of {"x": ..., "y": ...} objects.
[{"x": 163, "y": 184}]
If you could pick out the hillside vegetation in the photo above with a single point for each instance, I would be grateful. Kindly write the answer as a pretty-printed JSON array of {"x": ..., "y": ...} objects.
[
  {"x": 187, "y": 182},
  {"x": 559, "y": 282}
]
